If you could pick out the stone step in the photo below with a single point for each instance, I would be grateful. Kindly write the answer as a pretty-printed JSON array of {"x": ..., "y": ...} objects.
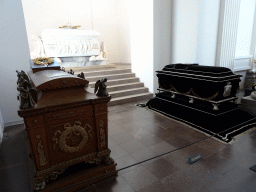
[
  {"x": 92, "y": 68},
  {"x": 110, "y": 77},
  {"x": 125, "y": 86},
  {"x": 128, "y": 92},
  {"x": 130, "y": 98},
  {"x": 103, "y": 73},
  {"x": 118, "y": 81}
]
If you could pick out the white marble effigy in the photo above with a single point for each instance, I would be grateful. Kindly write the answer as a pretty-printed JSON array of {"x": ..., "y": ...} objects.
[{"x": 70, "y": 42}]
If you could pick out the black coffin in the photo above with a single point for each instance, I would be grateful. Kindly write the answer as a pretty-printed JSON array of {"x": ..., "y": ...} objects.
[
  {"x": 206, "y": 82},
  {"x": 203, "y": 97}
]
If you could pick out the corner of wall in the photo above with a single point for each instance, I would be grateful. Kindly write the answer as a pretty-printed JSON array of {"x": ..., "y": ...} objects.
[{"x": 1, "y": 127}]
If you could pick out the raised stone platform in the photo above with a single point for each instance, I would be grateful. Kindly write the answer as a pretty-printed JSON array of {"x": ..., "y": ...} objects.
[{"x": 248, "y": 104}]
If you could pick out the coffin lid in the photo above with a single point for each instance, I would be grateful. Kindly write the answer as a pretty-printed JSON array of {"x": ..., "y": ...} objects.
[
  {"x": 195, "y": 69},
  {"x": 55, "y": 79}
]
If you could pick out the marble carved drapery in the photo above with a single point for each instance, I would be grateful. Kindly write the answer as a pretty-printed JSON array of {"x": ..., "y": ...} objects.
[{"x": 70, "y": 42}]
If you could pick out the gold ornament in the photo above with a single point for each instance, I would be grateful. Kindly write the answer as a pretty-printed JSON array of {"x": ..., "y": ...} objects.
[
  {"x": 69, "y": 130},
  {"x": 43, "y": 61},
  {"x": 40, "y": 151},
  {"x": 102, "y": 135},
  {"x": 70, "y": 26}
]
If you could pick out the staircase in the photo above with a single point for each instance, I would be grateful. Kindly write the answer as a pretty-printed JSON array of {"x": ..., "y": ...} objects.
[{"x": 122, "y": 84}]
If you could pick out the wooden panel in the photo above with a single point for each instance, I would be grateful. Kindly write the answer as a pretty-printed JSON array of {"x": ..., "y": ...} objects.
[
  {"x": 59, "y": 116},
  {"x": 36, "y": 121},
  {"x": 101, "y": 108},
  {"x": 38, "y": 143},
  {"x": 62, "y": 138}
]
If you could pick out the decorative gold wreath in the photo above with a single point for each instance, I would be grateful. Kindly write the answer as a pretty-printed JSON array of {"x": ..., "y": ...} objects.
[
  {"x": 73, "y": 27},
  {"x": 43, "y": 61},
  {"x": 67, "y": 133}
]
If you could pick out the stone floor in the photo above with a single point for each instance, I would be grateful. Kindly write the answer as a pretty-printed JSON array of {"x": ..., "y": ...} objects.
[{"x": 137, "y": 134}]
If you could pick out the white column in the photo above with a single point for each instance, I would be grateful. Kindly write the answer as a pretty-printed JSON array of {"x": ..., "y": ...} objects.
[
  {"x": 162, "y": 19},
  {"x": 207, "y": 34},
  {"x": 253, "y": 43},
  {"x": 227, "y": 33},
  {"x": 184, "y": 30},
  {"x": 141, "y": 32}
]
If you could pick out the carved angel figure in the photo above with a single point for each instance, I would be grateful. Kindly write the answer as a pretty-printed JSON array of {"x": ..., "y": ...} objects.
[
  {"x": 81, "y": 75},
  {"x": 101, "y": 88},
  {"x": 71, "y": 72},
  {"x": 28, "y": 95}
]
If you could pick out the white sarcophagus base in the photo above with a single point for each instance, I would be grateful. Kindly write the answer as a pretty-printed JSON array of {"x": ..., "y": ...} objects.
[{"x": 70, "y": 42}]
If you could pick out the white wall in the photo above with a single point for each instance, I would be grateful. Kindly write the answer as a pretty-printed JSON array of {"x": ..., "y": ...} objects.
[
  {"x": 1, "y": 127},
  {"x": 141, "y": 20},
  {"x": 245, "y": 26},
  {"x": 14, "y": 55},
  {"x": 123, "y": 31},
  {"x": 184, "y": 30},
  {"x": 162, "y": 36},
  {"x": 207, "y": 34},
  {"x": 109, "y": 19}
]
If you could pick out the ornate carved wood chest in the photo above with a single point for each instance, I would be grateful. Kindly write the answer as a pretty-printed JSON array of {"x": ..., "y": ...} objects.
[{"x": 68, "y": 125}]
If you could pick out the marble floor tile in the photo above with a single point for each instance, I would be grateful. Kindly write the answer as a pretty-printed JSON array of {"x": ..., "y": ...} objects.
[
  {"x": 133, "y": 146},
  {"x": 161, "y": 148},
  {"x": 137, "y": 135},
  {"x": 114, "y": 184},
  {"x": 161, "y": 168},
  {"x": 117, "y": 151},
  {"x": 143, "y": 154},
  {"x": 139, "y": 178}
]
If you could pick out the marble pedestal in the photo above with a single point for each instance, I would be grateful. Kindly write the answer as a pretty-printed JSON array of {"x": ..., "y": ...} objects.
[{"x": 248, "y": 104}]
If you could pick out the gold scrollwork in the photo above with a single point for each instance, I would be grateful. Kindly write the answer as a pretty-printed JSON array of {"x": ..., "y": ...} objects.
[
  {"x": 73, "y": 161},
  {"x": 40, "y": 182},
  {"x": 102, "y": 134},
  {"x": 77, "y": 130},
  {"x": 40, "y": 150},
  {"x": 54, "y": 138},
  {"x": 90, "y": 130}
]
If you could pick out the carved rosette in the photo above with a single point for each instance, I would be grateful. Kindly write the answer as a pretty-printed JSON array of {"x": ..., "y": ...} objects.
[
  {"x": 72, "y": 133},
  {"x": 40, "y": 151}
]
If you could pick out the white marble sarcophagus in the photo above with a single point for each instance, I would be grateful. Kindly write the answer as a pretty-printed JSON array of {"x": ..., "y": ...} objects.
[{"x": 70, "y": 42}]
